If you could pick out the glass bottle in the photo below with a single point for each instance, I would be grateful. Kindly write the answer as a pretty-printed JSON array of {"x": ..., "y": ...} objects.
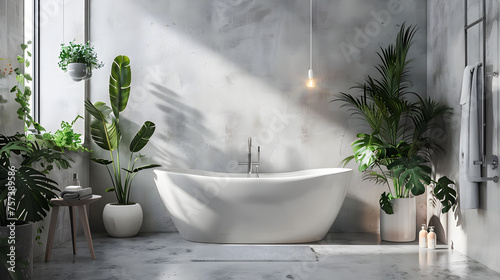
[{"x": 75, "y": 182}]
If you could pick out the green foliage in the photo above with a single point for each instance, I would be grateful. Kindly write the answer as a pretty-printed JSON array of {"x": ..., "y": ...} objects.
[
  {"x": 80, "y": 53},
  {"x": 141, "y": 139},
  {"x": 23, "y": 91},
  {"x": 65, "y": 138},
  {"x": 119, "y": 84},
  {"x": 33, "y": 189},
  {"x": 366, "y": 150},
  {"x": 385, "y": 203},
  {"x": 398, "y": 146},
  {"x": 105, "y": 130},
  {"x": 445, "y": 193},
  {"x": 33, "y": 156}
]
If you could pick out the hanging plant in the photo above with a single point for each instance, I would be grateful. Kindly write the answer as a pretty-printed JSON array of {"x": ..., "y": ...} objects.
[{"x": 78, "y": 53}]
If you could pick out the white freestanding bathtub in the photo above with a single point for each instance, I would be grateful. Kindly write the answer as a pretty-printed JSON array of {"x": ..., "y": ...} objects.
[{"x": 292, "y": 207}]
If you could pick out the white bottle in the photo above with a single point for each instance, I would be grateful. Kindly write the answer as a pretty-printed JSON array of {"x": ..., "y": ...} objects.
[
  {"x": 422, "y": 237},
  {"x": 432, "y": 238}
]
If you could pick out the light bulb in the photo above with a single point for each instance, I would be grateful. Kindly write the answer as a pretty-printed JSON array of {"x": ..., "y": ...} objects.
[{"x": 310, "y": 81}]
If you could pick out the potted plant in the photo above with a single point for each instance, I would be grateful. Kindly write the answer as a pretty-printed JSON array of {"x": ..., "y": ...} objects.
[
  {"x": 78, "y": 60},
  {"x": 123, "y": 218},
  {"x": 25, "y": 161},
  {"x": 397, "y": 147},
  {"x": 25, "y": 193}
]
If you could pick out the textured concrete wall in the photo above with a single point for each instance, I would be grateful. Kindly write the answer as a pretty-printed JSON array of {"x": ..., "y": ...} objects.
[
  {"x": 473, "y": 232},
  {"x": 11, "y": 32},
  {"x": 212, "y": 73}
]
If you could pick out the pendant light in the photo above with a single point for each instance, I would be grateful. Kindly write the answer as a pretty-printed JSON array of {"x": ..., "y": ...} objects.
[{"x": 310, "y": 76}]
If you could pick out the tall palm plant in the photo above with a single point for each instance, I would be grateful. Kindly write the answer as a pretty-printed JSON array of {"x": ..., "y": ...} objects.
[{"x": 397, "y": 149}]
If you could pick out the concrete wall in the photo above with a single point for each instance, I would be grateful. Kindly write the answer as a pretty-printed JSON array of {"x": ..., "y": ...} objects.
[
  {"x": 11, "y": 32},
  {"x": 473, "y": 232},
  {"x": 212, "y": 73}
]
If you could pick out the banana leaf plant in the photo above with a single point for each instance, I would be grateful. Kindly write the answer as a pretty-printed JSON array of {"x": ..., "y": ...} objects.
[
  {"x": 106, "y": 131},
  {"x": 397, "y": 148}
]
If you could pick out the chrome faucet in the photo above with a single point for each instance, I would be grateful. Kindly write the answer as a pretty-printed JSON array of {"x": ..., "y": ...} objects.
[
  {"x": 249, "y": 163},
  {"x": 249, "y": 168}
]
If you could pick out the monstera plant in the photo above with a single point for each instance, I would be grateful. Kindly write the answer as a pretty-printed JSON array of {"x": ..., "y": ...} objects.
[
  {"x": 397, "y": 147},
  {"x": 106, "y": 131}
]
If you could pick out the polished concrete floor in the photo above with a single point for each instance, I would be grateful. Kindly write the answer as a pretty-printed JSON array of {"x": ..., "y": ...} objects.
[{"x": 339, "y": 256}]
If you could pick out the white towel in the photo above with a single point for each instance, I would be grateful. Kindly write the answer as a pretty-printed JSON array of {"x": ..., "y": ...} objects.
[
  {"x": 77, "y": 194},
  {"x": 469, "y": 140}
]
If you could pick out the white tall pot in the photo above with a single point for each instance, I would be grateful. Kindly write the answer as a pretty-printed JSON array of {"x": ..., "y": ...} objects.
[
  {"x": 400, "y": 226},
  {"x": 122, "y": 220}
]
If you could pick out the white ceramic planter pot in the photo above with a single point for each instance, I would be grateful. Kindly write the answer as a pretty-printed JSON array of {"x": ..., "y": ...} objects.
[
  {"x": 77, "y": 71},
  {"x": 400, "y": 226},
  {"x": 122, "y": 220},
  {"x": 23, "y": 252}
]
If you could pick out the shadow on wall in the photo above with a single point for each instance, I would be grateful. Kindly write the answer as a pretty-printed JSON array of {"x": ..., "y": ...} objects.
[
  {"x": 367, "y": 221},
  {"x": 438, "y": 228},
  {"x": 184, "y": 138}
]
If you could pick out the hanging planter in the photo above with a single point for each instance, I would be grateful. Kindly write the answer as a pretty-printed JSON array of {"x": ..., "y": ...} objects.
[
  {"x": 78, "y": 60},
  {"x": 77, "y": 70}
]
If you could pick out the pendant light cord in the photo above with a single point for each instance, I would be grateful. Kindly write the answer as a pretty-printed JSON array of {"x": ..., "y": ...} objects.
[
  {"x": 63, "y": 19},
  {"x": 310, "y": 34}
]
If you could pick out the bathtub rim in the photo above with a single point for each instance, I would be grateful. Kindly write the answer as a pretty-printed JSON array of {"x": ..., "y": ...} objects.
[{"x": 298, "y": 174}]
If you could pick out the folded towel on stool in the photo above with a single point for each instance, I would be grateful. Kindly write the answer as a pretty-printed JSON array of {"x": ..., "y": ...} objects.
[{"x": 77, "y": 195}]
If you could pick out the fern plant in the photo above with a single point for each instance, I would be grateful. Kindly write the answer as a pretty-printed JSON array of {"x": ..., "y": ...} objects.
[{"x": 397, "y": 148}]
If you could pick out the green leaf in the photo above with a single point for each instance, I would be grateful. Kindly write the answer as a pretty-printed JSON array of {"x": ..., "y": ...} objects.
[
  {"x": 142, "y": 168},
  {"x": 34, "y": 191},
  {"x": 142, "y": 137},
  {"x": 366, "y": 150},
  {"x": 119, "y": 84},
  {"x": 110, "y": 190},
  {"x": 446, "y": 194},
  {"x": 99, "y": 110},
  {"x": 347, "y": 160},
  {"x": 101, "y": 161},
  {"x": 103, "y": 128},
  {"x": 412, "y": 173},
  {"x": 105, "y": 135},
  {"x": 385, "y": 203}
]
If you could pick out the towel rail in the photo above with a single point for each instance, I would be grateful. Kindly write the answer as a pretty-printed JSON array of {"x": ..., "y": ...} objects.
[{"x": 482, "y": 141}]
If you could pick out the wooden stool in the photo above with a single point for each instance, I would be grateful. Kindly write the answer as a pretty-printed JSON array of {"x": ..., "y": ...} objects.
[{"x": 57, "y": 202}]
